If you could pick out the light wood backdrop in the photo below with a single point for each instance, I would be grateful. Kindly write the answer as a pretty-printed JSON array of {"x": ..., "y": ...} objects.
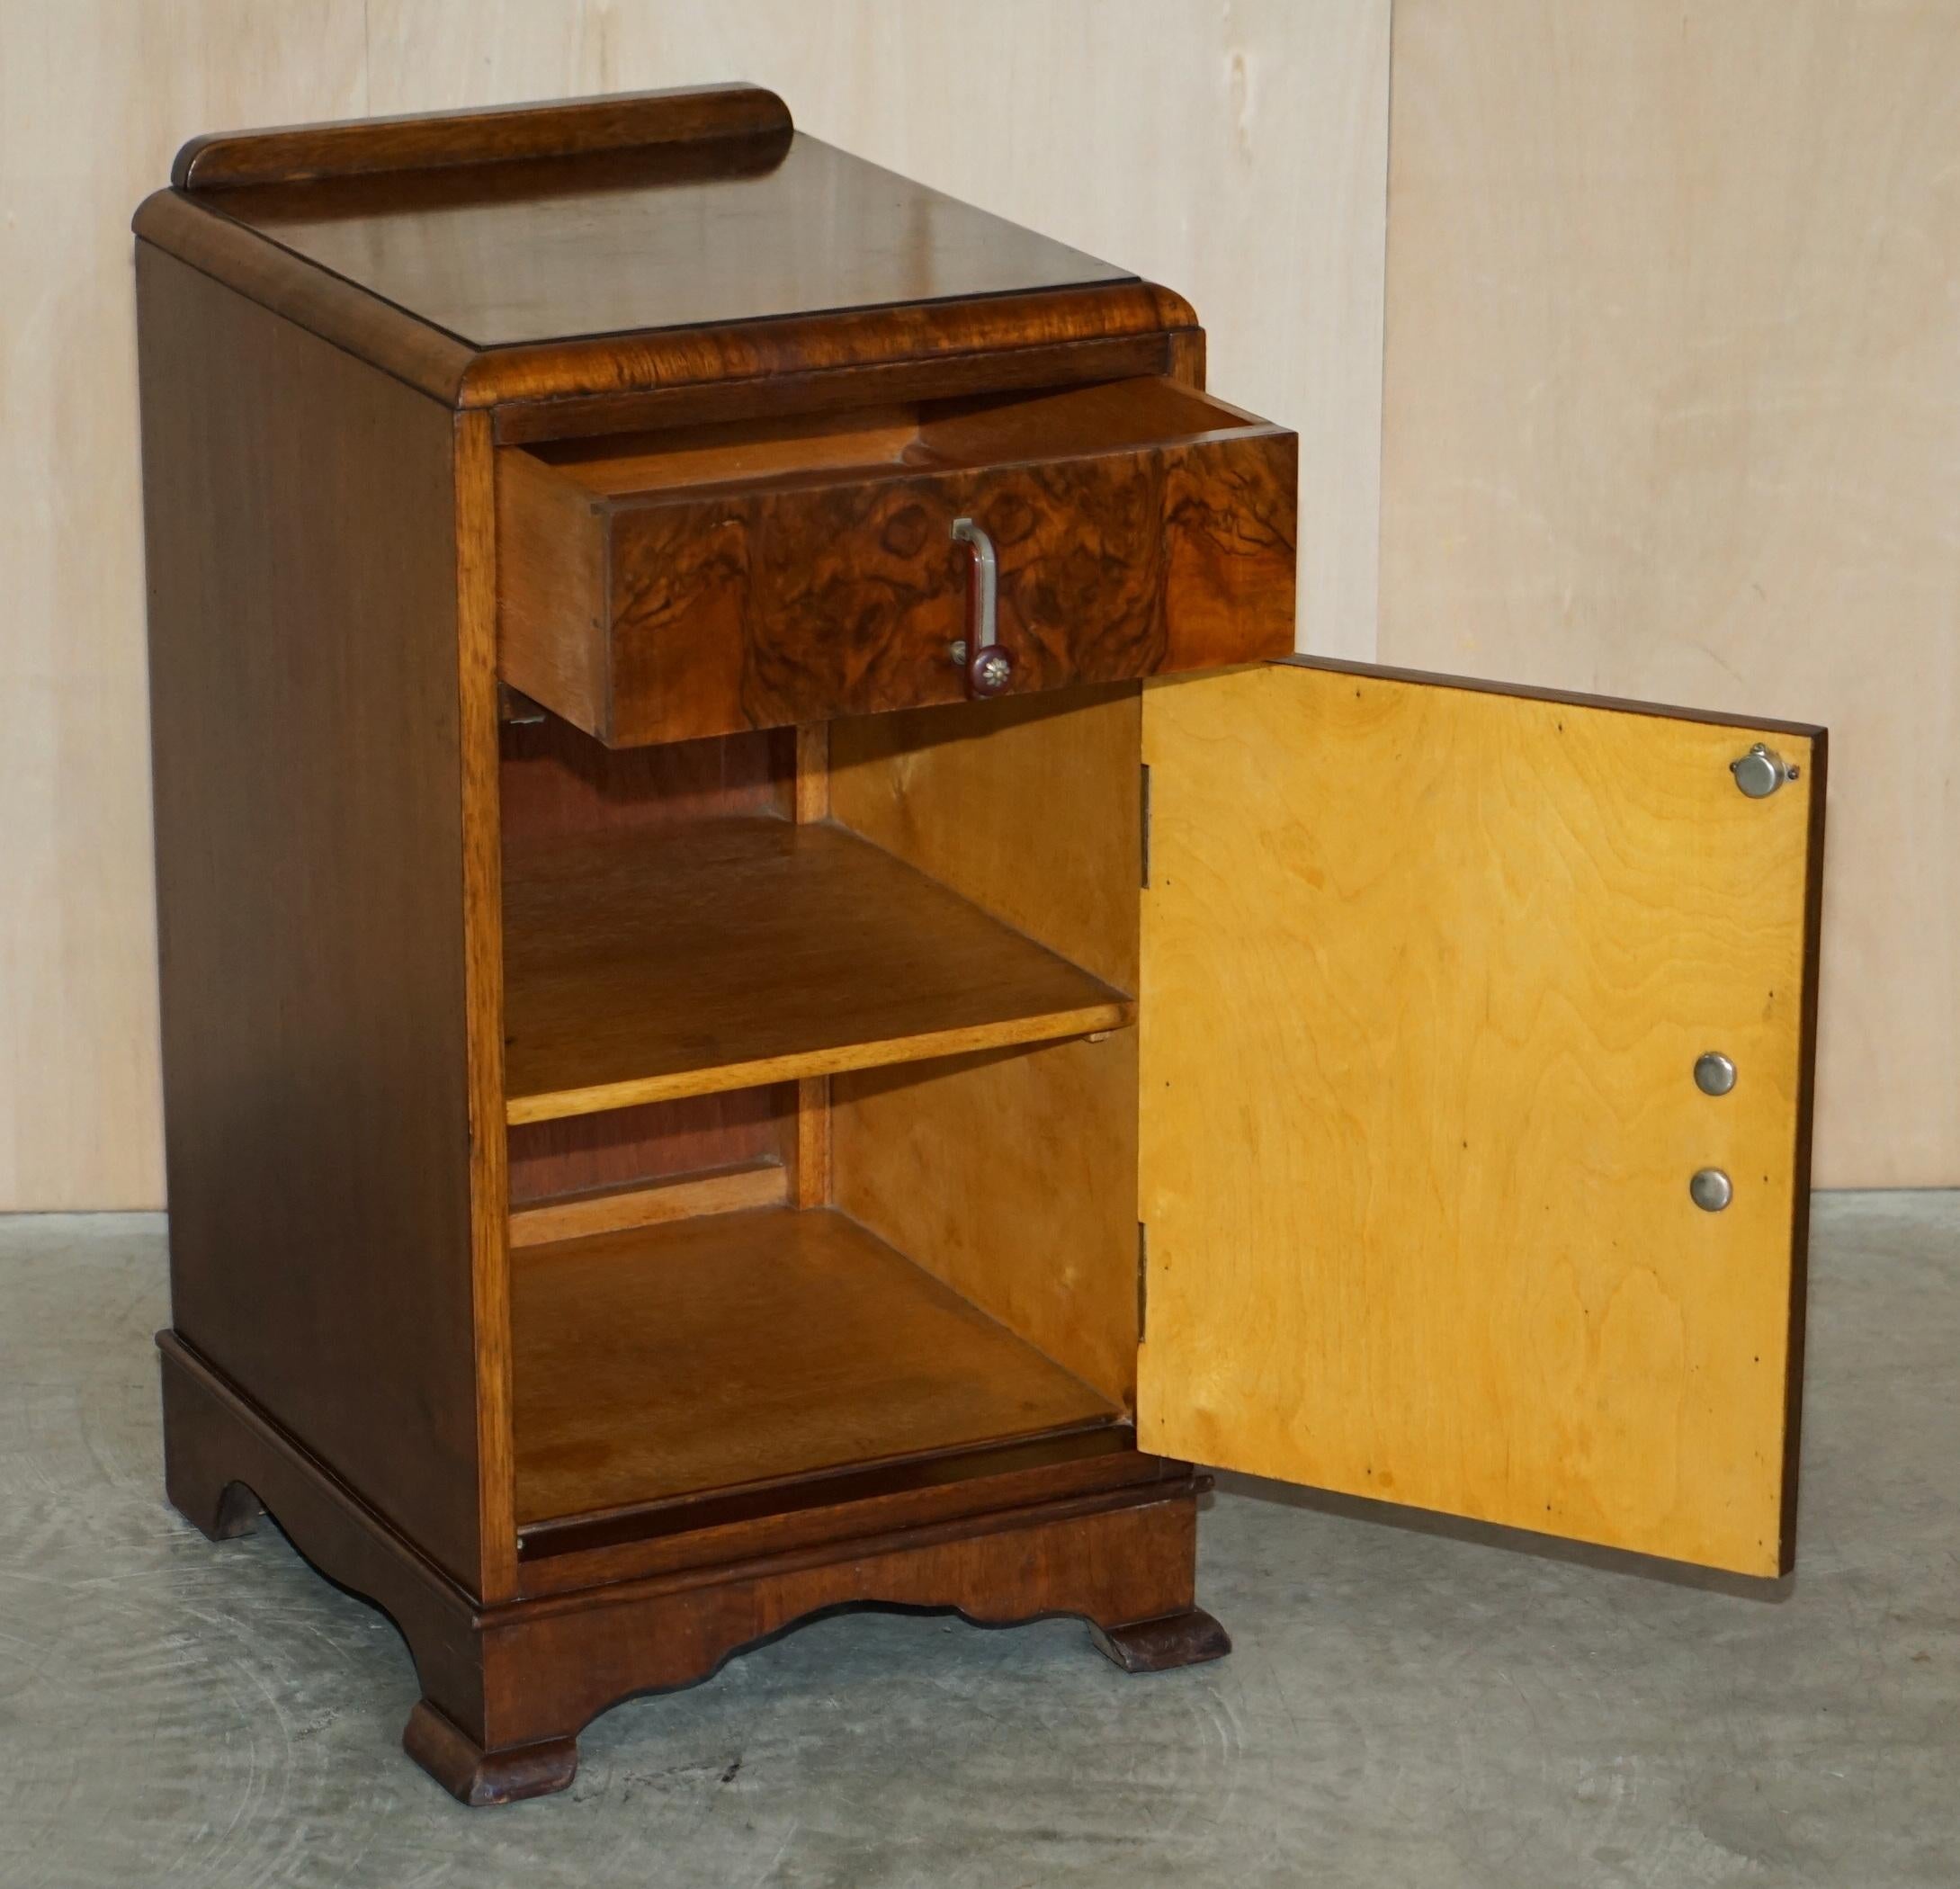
[
  {"x": 1235, "y": 151},
  {"x": 1671, "y": 407},
  {"x": 1673, "y": 410}
]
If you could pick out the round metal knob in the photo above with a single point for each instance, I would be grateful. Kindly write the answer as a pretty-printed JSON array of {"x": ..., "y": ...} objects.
[
  {"x": 1710, "y": 1190},
  {"x": 991, "y": 671},
  {"x": 1760, "y": 771},
  {"x": 1715, "y": 1074}
]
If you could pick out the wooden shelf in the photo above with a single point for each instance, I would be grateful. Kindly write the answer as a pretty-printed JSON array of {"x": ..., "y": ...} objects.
[
  {"x": 640, "y": 966},
  {"x": 745, "y": 1348}
]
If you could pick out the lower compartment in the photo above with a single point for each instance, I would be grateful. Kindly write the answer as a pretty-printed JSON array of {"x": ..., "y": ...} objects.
[
  {"x": 508, "y": 1685},
  {"x": 740, "y": 1350}
]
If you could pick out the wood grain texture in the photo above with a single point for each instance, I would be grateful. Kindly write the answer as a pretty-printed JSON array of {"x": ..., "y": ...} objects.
[
  {"x": 474, "y": 504},
  {"x": 747, "y": 952},
  {"x": 559, "y": 784},
  {"x": 425, "y": 357},
  {"x": 812, "y": 797},
  {"x": 497, "y": 263},
  {"x": 967, "y": 795},
  {"x": 1107, "y": 1559},
  {"x": 422, "y": 141},
  {"x": 1012, "y": 1176},
  {"x": 1140, "y": 529},
  {"x": 1185, "y": 1639},
  {"x": 1002, "y": 369},
  {"x": 741, "y": 1348},
  {"x": 562, "y": 784},
  {"x": 617, "y": 1210},
  {"x": 608, "y": 365},
  {"x": 1425, "y": 972},
  {"x": 1672, "y": 367},
  {"x": 501, "y": 1682},
  {"x": 813, "y": 1092},
  {"x": 726, "y": 1528},
  {"x": 225, "y": 1460},
  {"x": 1031, "y": 1208},
  {"x": 692, "y": 1134},
  {"x": 554, "y": 548},
  {"x": 636, "y": 359},
  {"x": 480, "y": 1779},
  {"x": 316, "y": 980}
]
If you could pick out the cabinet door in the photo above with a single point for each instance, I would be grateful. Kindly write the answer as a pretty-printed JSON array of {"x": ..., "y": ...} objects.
[{"x": 1428, "y": 969}]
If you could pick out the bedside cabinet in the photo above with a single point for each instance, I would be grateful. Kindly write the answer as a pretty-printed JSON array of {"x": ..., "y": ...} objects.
[{"x": 778, "y": 992}]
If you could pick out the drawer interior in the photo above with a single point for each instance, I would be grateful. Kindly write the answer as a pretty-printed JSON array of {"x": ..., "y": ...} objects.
[
  {"x": 947, "y": 435},
  {"x": 820, "y": 1081}
]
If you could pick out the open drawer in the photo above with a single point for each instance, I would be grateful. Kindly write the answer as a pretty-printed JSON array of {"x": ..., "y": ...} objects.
[{"x": 705, "y": 580}]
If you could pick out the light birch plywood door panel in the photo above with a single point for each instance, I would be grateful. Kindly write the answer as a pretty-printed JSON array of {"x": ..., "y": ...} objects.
[
  {"x": 1425, "y": 972},
  {"x": 1673, "y": 375}
]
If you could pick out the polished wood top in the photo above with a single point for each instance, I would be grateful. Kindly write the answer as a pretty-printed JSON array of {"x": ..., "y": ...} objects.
[
  {"x": 606, "y": 249},
  {"x": 726, "y": 230}
]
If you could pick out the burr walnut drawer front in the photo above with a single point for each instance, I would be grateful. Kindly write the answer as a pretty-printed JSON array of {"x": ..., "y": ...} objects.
[{"x": 686, "y": 583}]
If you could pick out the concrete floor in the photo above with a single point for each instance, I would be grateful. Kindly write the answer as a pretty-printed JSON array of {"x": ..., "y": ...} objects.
[{"x": 1407, "y": 1707}]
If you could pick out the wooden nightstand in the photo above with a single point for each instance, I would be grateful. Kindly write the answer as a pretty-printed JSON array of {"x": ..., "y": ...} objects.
[{"x": 744, "y": 1031}]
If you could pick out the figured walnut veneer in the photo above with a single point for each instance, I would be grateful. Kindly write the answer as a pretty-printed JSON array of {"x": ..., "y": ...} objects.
[{"x": 698, "y": 586}]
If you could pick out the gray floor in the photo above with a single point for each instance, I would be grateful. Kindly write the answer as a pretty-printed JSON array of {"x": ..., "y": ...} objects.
[{"x": 1405, "y": 1706}]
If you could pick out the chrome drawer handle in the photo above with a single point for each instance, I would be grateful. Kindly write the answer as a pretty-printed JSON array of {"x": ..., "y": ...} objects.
[{"x": 989, "y": 668}]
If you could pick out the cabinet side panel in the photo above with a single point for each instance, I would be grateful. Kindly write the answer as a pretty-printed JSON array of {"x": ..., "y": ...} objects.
[
  {"x": 1011, "y": 1176},
  {"x": 302, "y": 571},
  {"x": 473, "y": 488},
  {"x": 1030, "y": 807}
]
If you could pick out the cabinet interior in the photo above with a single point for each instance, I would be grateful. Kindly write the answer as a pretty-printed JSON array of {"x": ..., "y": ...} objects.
[{"x": 821, "y": 1100}]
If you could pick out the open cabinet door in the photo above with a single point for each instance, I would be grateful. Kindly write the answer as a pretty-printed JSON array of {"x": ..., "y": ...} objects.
[{"x": 1429, "y": 969}]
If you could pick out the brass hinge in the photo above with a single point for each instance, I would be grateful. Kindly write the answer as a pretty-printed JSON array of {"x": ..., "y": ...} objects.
[
  {"x": 1144, "y": 805},
  {"x": 1144, "y": 1278}
]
